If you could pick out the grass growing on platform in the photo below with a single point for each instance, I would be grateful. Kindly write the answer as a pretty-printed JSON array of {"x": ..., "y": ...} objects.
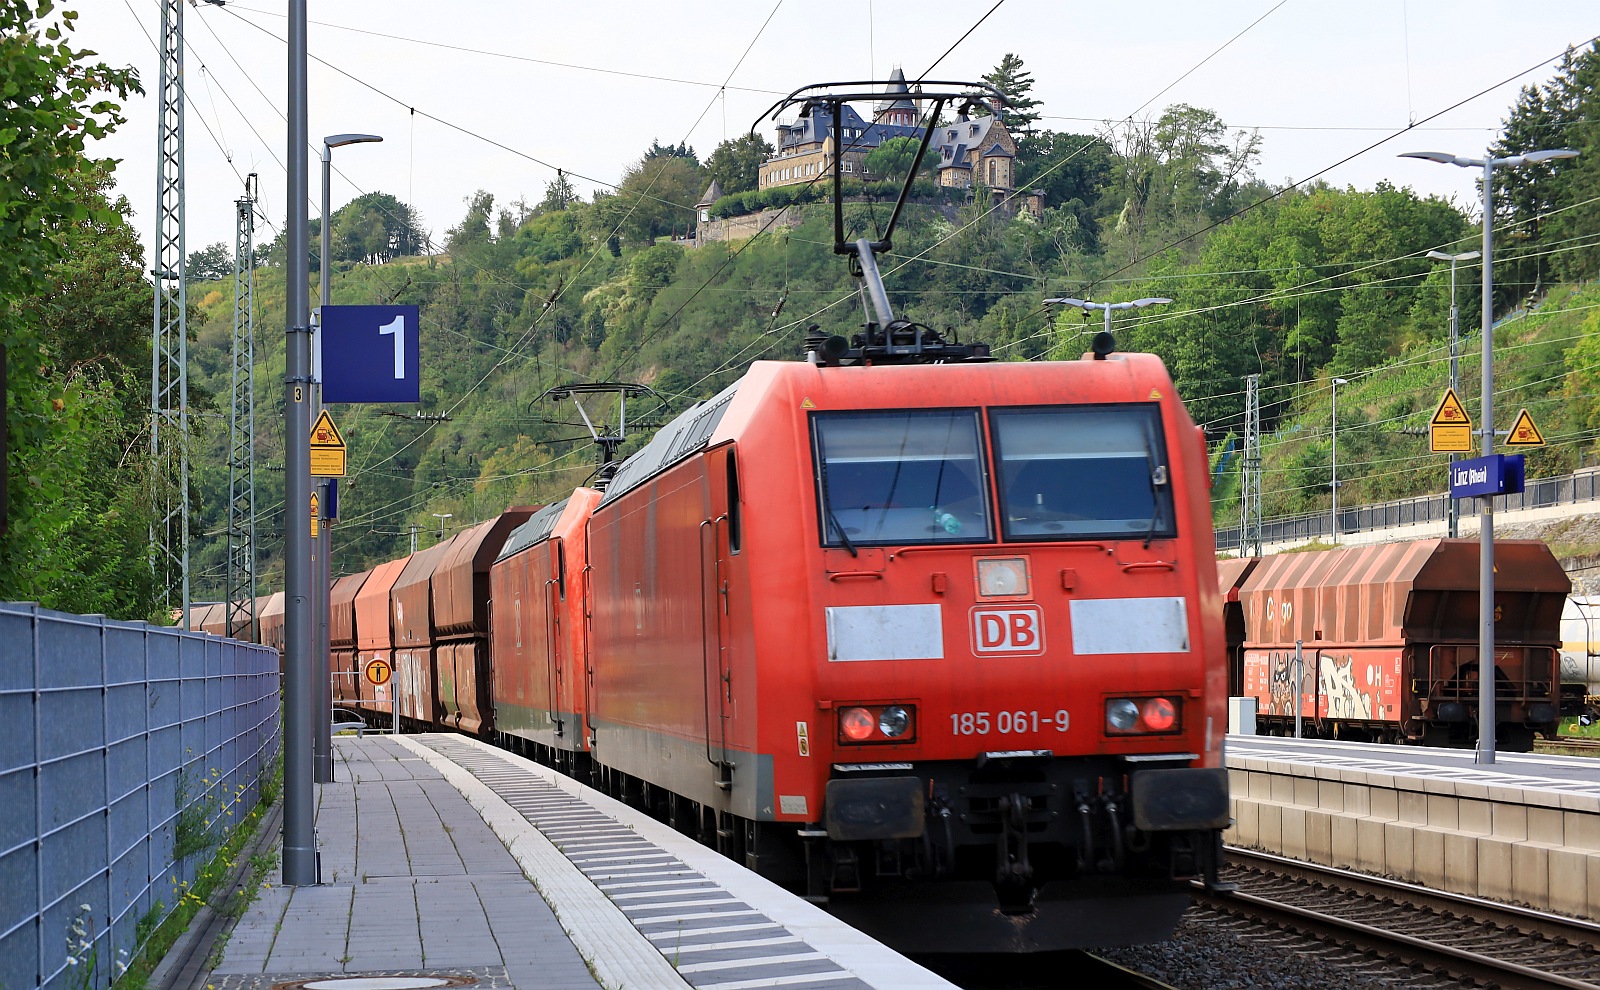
[{"x": 215, "y": 874}]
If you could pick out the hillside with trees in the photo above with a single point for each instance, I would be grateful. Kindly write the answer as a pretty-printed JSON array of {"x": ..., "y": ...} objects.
[{"x": 1297, "y": 285}]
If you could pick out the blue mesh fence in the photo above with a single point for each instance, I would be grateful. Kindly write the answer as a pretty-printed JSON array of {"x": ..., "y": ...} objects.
[{"x": 128, "y": 751}]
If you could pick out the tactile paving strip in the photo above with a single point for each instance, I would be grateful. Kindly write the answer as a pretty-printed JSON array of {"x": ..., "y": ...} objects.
[{"x": 715, "y": 940}]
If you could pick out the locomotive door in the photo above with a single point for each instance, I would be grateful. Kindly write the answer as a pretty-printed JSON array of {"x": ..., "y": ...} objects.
[
  {"x": 718, "y": 541},
  {"x": 555, "y": 674}
]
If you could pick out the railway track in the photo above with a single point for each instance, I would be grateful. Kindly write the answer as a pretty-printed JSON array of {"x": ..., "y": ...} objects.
[
  {"x": 1572, "y": 744},
  {"x": 1434, "y": 932}
]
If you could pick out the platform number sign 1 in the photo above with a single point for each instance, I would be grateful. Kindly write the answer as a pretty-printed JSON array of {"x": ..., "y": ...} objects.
[{"x": 369, "y": 354}]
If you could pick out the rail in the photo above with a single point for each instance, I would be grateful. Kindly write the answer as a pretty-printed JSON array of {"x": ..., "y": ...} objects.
[{"x": 1468, "y": 937}]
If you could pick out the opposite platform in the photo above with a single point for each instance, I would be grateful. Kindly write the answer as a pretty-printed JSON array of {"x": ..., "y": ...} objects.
[{"x": 445, "y": 858}]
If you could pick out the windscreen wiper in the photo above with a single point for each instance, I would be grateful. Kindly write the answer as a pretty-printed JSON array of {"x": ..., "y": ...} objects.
[
  {"x": 1158, "y": 476},
  {"x": 833, "y": 521}
]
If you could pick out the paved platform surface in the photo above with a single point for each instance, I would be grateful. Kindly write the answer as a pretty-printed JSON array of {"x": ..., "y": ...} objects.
[
  {"x": 445, "y": 858},
  {"x": 1540, "y": 771}
]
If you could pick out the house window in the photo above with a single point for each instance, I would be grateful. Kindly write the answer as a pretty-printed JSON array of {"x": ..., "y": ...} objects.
[
  {"x": 991, "y": 172},
  {"x": 974, "y": 129}
]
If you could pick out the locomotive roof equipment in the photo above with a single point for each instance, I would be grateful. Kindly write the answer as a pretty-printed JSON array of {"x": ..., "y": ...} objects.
[{"x": 887, "y": 339}]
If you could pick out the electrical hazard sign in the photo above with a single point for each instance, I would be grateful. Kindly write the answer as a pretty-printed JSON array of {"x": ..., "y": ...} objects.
[
  {"x": 1523, "y": 432},
  {"x": 327, "y": 448},
  {"x": 1450, "y": 430}
]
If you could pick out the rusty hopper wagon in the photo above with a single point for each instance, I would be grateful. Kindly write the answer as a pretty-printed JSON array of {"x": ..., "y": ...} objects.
[{"x": 1389, "y": 641}]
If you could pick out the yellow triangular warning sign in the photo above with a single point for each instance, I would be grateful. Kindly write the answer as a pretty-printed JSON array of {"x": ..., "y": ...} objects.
[
  {"x": 1155, "y": 393},
  {"x": 1450, "y": 412},
  {"x": 1524, "y": 433},
  {"x": 325, "y": 434},
  {"x": 806, "y": 403}
]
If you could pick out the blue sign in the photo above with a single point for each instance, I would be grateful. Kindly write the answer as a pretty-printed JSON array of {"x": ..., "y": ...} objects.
[
  {"x": 1497, "y": 474},
  {"x": 370, "y": 353}
]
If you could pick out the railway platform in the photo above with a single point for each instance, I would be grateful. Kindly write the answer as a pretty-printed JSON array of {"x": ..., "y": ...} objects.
[
  {"x": 1525, "y": 829},
  {"x": 446, "y": 862}
]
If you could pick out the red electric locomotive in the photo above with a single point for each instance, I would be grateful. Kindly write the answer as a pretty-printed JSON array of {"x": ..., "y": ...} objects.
[
  {"x": 934, "y": 640},
  {"x": 537, "y": 634},
  {"x": 939, "y": 643}
]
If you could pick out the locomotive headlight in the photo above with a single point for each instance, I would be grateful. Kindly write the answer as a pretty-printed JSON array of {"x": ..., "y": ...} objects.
[
  {"x": 856, "y": 724},
  {"x": 1002, "y": 576},
  {"x": 1121, "y": 715},
  {"x": 894, "y": 721}
]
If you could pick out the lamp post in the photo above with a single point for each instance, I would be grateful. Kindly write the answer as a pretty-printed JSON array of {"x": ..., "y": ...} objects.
[
  {"x": 1455, "y": 379},
  {"x": 1336, "y": 383},
  {"x": 442, "y": 516},
  {"x": 1486, "y": 699},
  {"x": 1107, "y": 308},
  {"x": 299, "y": 693},
  {"x": 322, "y": 545}
]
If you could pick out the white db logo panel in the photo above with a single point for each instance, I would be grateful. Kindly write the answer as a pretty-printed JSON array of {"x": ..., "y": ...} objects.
[{"x": 1014, "y": 631}]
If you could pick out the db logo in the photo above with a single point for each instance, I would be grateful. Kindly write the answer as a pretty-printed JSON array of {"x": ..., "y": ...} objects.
[{"x": 1018, "y": 630}]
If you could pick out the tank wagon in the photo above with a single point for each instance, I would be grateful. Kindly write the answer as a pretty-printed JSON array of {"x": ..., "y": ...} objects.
[{"x": 1388, "y": 639}]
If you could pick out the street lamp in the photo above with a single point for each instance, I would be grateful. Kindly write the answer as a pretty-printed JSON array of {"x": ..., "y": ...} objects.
[
  {"x": 1103, "y": 344},
  {"x": 1486, "y": 700},
  {"x": 1336, "y": 383},
  {"x": 442, "y": 516},
  {"x": 322, "y": 571},
  {"x": 1455, "y": 379}
]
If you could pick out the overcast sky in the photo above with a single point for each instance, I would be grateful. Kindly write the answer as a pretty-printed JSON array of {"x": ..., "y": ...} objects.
[{"x": 587, "y": 86}]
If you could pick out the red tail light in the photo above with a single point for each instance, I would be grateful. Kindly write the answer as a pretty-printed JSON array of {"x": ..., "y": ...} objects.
[
  {"x": 1159, "y": 715},
  {"x": 893, "y": 723},
  {"x": 856, "y": 724}
]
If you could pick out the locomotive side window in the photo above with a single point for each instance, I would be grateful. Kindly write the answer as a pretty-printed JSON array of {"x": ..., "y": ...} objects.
[
  {"x": 900, "y": 477},
  {"x": 1070, "y": 472},
  {"x": 734, "y": 538}
]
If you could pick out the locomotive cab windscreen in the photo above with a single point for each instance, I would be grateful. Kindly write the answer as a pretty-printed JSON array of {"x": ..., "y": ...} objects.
[
  {"x": 1065, "y": 472},
  {"x": 901, "y": 477},
  {"x": 1074, "y": 472}
]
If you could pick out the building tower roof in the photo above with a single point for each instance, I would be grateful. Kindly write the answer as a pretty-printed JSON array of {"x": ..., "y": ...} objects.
[{"x": 711, "y": 195}]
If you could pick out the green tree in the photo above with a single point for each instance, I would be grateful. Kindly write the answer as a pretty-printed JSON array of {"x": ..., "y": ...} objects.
[
  {"x": 736, "y": 163},
  {"x": 474, "y": 227},
  {"x": 655, "y": 197},
  {"x": 894, "y": 157},
  {"x": 659, "y": 150},
  {"x": 1074, "y": 171},
  {"x": 558, "y": 195},
  {"x": 52, "y": 99},
  {"x": 209, "y": 264},
  {"x": 1010, "y": 78}
]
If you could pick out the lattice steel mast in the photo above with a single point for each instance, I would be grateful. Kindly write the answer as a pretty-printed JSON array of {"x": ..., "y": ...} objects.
[
  {"x": 242, "y": 422},
  {"x": 1250, "y": 472},
  {"x": 169, "y": 376}
]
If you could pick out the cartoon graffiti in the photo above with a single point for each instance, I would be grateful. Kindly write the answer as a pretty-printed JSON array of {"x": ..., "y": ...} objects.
[
  {"x": 1337, "y": 683},
  {"x": 1281, "y": 701}
]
